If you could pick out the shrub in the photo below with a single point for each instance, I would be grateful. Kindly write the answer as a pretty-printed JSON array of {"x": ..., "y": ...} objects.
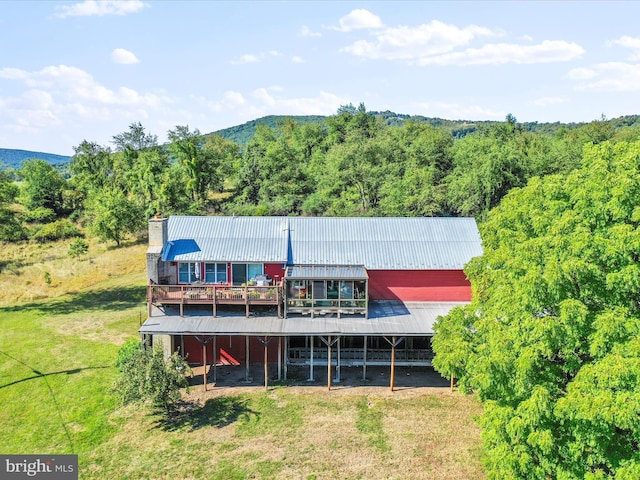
[
  {"x": 56, "y": 231},
  {"x": 78, "y": 247},
  {"x": 10, "y": 229},
  {"x": 147, "y": 377},
  {"x": 39, "y": 215},
  {"x": 127, "y": 351}
]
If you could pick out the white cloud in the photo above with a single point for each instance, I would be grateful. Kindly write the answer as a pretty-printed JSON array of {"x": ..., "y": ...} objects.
[
  {"x": 502, "y": 53},
  {"x": 296, "y": 59},
  {"x": 413, "y": 43},
  {"x": 633, "y": 43},
  {"x": 439, "y": 43},
  {"x": 358, "y": 19},
  {"x": 57, "y": 106},
  {"x": 607, "y": 77},
  {"x": 246, "y": 58},
  {"x": 274, "y": 101},
  {"x": 305, "y": 31},
  {"x": 456, "y": 111},
  {"x": 230, "y": 100},
  {"x": 56, "y": 91},
  {"x": 545, "y": 101},
  {"x": 100, "y": 8},
  {"x": 255, "y": 58},
  {"x": 581, "y": 73},
  {"x": 120, "y": 55}
]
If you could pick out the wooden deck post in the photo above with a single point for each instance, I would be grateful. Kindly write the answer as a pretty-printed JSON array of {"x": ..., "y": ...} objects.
[
  {"x": 215, "y": 362},
  {"x": 266, "y": 365},
  {"x": 337, "y": 379},
  {"x": 364, "y": 360},
  {"x": 311, "y": 379},
  {"x": 393, "y": 363},
  {"x": 204, "y": 366},
  {"x": 246, "y": 354},
  {"x": 215, "y": 301},
  {"x": 246, "y": 300},
  {"x": 329, "y": 363},
  {"x": 279, "y": 358},
  {"x": 286, "y": 356}
]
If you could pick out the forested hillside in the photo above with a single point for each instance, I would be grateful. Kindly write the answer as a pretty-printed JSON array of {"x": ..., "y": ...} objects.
[
  {"x": 242, "y": 134},
  {"x": 15, "y": 158},
  {"x": 352, "y": 163}
]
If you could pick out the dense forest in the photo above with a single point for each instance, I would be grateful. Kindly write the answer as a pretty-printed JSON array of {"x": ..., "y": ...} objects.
[
  {"x": 352, "y": 163},
  {"x": 551, "y": 341}
]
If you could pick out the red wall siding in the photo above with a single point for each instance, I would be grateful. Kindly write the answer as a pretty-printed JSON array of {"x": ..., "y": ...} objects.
[
  {"x": 273, "y": 270},
  {"x": 419, "y": 285},
  {"x": 230, "y": 350}
]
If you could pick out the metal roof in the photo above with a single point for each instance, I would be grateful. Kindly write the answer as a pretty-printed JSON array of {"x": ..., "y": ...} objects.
[
  {"x": 378, "y": 243},
  {"x": 326, "y": 272},
  {"x": 385, "y": 318},
  {"x": 227, "y": 239}
]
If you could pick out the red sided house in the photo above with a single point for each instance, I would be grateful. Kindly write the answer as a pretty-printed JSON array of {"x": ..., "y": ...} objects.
[{"x": 303, "y": 290}]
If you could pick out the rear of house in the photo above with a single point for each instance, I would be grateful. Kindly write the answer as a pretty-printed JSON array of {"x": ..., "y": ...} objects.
[{"x": 303, "y": 290}]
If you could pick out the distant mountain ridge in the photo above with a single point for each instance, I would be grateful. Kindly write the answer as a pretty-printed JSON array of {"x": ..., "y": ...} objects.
[
  {"x": 242, "y": 134},
  {"x": 10, "y": 158}
]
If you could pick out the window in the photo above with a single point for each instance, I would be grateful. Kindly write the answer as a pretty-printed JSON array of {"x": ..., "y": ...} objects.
[
  {"x": 188, "y": 272},
  {"x": 215, "y": 273},
  {"x": 244, "y": 272},
  {"x": 301, "y": 289}
]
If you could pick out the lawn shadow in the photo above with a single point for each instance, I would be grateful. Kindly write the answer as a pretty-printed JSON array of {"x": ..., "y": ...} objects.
[
  {"x": 38, "y": 374},
  {"x": 110, "y": 299},
  {"x": 216, "y": 412}
]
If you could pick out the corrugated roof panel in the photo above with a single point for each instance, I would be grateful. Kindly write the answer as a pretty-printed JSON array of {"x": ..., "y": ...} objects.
[
  {"x": 379, "y": 243},
  {"x": 327, "y": 272},
  {"x": 385, "y": 318},
  {"x": 227, "y": 239}
]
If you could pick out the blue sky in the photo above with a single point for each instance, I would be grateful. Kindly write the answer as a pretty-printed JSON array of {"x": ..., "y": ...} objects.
[{"x": 74, "y": 71}]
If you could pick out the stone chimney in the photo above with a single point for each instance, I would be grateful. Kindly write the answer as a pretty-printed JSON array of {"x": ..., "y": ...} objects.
[
  {"x": 158, "y": 232},
  {"x": 158, "y": 237}
]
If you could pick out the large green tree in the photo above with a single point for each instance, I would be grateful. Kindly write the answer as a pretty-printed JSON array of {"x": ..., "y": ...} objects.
[
  {"x": 113, "y": 216},
  {"x": 91, "y": 166},
  {"x": 10, "y": 228},
  {"x": 200, "y": 160},
  {"x": 43, "y": 186},
  {"x": 551, "y": 341}
]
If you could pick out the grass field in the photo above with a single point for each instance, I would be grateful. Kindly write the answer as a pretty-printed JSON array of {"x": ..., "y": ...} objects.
[{"x": 60, "y": 336}]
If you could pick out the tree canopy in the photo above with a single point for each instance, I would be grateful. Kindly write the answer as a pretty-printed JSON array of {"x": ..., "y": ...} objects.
[{"x": 551, "y": 341}]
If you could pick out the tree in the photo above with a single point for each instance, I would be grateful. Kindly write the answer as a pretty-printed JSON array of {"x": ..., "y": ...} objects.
[
  {"x": 147, "y": 377},
  {"x": 10, "y": 228},
  {"x": 136, "y": 139},
  {"x": 551, "y": 341},
  {"x": 112, "y": 216},
  {"x": 43, "y": 186},
  {"x": 200, "y": 163},
  {"x": 486, "y": 166},
  {"x": 91, "y": 166}
]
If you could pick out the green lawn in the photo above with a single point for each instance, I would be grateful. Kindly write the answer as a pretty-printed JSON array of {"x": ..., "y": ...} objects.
[{"x": 56, "y": 372}]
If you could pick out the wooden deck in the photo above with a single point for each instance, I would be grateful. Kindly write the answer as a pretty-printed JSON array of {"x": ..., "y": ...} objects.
[{"x": 214, "y": 295}]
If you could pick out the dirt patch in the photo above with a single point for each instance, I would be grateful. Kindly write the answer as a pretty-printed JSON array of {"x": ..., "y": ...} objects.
[{"x": 229, "y": 380}]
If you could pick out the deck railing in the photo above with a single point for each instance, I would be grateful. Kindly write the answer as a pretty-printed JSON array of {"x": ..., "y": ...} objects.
[
  {"x": 214, "y": 295},
  {"x": 356, "y": 356}
]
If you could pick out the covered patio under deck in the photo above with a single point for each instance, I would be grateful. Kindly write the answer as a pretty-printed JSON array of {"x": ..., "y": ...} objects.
[{"x": 390, "y": 322}]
